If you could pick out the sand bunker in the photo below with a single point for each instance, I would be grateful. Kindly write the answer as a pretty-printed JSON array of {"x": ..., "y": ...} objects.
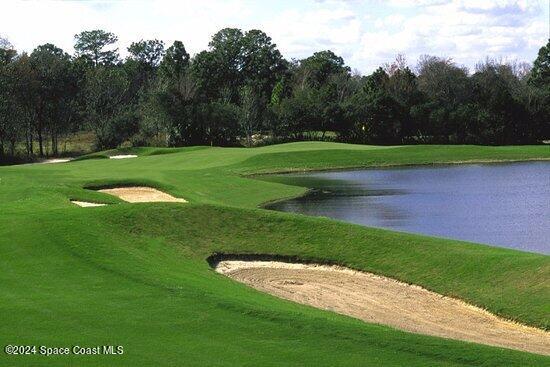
[
  {"x": 56, "y": 160},
  {"x": 123, "y": 156},
  {"x": 86, "y": 204},
  {"x": 141, "y": 194},
  {"x": 382, "y": 300}
]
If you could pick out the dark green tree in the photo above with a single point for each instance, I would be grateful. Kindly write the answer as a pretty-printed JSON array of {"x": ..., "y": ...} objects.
[
  {"x": 218, "y": 69},
  {"x": 175, "y": 62},
  {"x": 250, "y": 112},
  {"x": 18, "y": 90},
  {"x": 262, "y": 63},
  {"x": 494, "y": 90},
  {"x": 141, "y": 67},
  {"x": 537, "y": 95},
  {"x": 92, "y": 45},
  {"x": 56, "y": 93},
  {"x": 7, "y": 51},
  {"x": 317, "y": 69},
  {"x": 445, "y": 86},
  {"x": 376, "y": 116},
  {"x": 540, "y": 74},
  {"x": 236, "y": 59},
  {"x": 147, "y": 52},
  {"x": 108, "y": 111}
]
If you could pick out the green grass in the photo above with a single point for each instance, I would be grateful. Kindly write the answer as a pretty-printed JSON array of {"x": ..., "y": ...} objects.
[{"x": 136, "y": 274}]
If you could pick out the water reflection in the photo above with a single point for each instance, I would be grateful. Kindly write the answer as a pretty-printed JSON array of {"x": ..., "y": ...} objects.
[{"x": 502, "y": 204}]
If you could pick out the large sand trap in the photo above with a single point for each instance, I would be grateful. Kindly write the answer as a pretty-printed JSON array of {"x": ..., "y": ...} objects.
[
  {"x": 86, "y": 204},
  {"x": 382, "y": 300},
  {"x": 123, "y": 156},
  {"x": 141, "y": 194}
]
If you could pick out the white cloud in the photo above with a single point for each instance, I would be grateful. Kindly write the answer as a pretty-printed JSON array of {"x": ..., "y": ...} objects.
[
  {"x": 326, "y": 25},
  {"x": 30, "y": 23},
  {"x": 366, "y": 33},
  {"x": 466, "y": 30}
]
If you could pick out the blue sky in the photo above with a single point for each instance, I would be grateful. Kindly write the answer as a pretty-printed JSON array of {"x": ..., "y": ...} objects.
[{"x": 366, "y": 33}]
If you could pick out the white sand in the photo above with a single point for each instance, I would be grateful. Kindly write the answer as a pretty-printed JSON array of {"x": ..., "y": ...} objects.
[
  {"x": 123, "y": 156},
  {"x": 56, "y": 160},
  {"x": 141, "y": 194},
  {"x": 383, "y": 300},
  {"x": 86, "y": 204}
]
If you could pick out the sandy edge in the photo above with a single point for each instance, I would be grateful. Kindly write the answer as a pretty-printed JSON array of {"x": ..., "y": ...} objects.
[
  {"x": 87, "y": 204},
  {"x": 56, "y": 160},
  {"x": 494, "y": 331},
  {"x": 142, "y": 194},
  {"x": 122, "y": 156}
]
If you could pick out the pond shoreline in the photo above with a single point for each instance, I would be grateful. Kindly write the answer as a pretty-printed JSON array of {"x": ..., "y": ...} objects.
[
  {"x": 395, "y": 165},
  {"x": 435, "y": 200},
  {"x": 308, "y": 191}
]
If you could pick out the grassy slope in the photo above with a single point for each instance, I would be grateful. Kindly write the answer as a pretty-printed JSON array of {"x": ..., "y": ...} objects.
[{"x": 135, "y": 274}]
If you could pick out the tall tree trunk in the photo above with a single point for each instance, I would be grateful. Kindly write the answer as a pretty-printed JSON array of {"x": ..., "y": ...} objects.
[
  {"x": 31, "y": 142},
  {"x": 12, "y": 148},
  {"x": 28, "y": 134},
  {"x": 40, "y": 141},
  {"x": 27, "y": 146},
  {"x": 40, "y": 126},
  {"x": 28, "y": 138},
  {"x": 54, "y": 143}
]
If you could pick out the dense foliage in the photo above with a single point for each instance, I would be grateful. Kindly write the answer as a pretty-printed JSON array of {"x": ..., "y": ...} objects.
[{"x": 242, "y": 91}]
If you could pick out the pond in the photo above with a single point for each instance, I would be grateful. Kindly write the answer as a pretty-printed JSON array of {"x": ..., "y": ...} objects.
[{"x": 505, "y": 205}]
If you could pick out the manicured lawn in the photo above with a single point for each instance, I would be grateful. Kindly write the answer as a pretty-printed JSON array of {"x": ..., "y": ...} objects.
[{"x": 136, "y": 274}]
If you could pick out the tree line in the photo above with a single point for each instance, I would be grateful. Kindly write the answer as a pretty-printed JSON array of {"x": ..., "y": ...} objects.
[{"x": 241, "y": 91}]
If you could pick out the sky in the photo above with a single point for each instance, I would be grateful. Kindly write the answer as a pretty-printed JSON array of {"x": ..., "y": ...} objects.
[{"x": 365, "y": 33}]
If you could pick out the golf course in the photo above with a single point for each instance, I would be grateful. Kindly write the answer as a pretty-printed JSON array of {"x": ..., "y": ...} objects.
[{"x": 142, "y": 275}]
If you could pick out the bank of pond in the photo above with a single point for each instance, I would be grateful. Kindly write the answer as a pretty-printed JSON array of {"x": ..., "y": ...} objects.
[{"x": 506, "y": 204}]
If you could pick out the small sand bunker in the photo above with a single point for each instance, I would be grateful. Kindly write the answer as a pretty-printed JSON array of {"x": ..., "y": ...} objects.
[
  {"x": 56, "y": 160},
  {"x": 382, "y": 300},
  {"x": 141, "y": 194},
  {"x": 86, "y": 204},
  {"x": 123, "y": 156}
]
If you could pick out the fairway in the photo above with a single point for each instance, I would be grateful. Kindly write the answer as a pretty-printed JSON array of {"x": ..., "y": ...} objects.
[{"x": 135, "y": 274}]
